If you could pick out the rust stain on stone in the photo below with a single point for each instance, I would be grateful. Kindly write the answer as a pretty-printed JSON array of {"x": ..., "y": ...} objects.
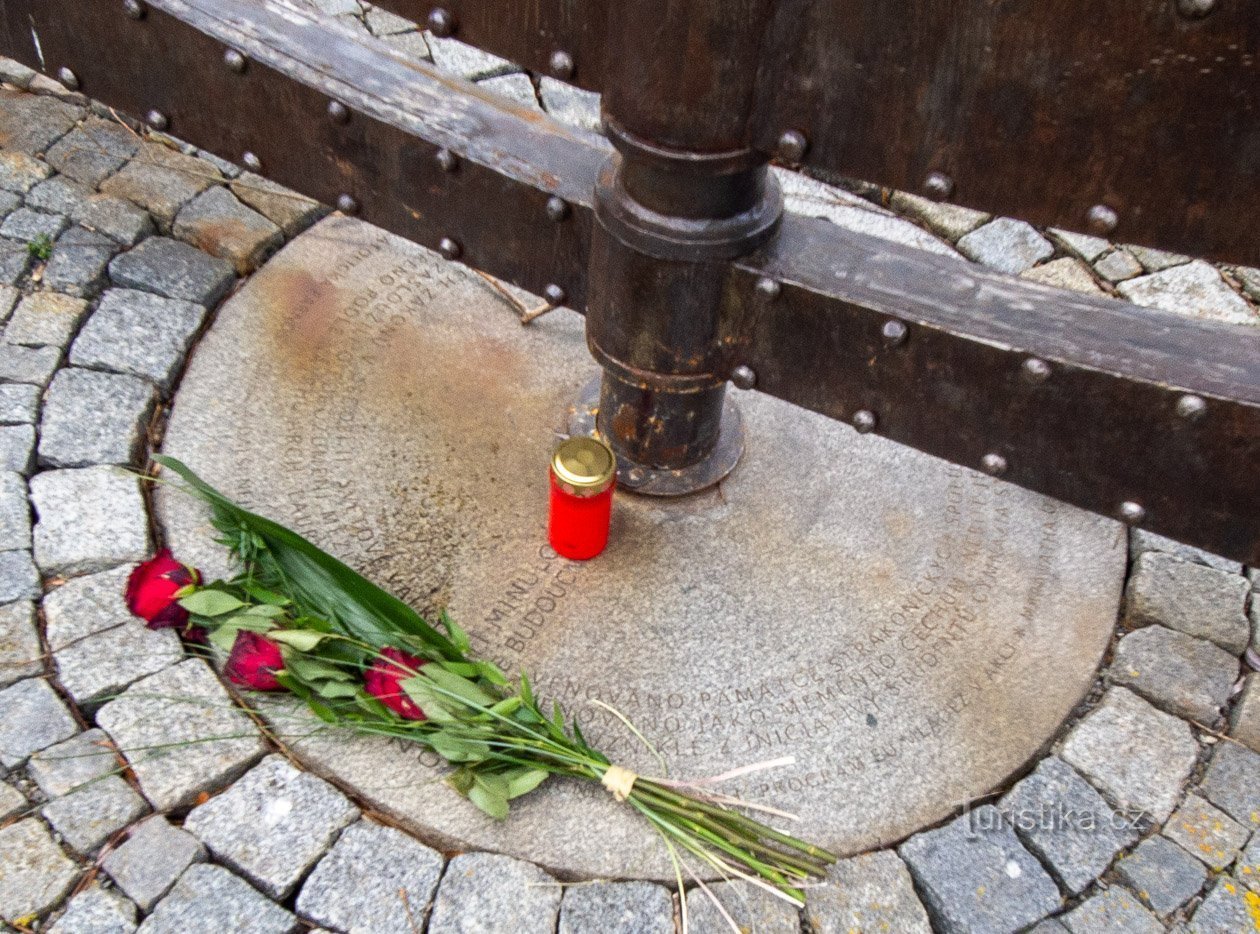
[{"x": 300, "y": 312}]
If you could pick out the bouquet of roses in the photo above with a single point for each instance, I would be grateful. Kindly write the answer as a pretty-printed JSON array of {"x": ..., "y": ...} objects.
[{"x": 296, "y": 619}]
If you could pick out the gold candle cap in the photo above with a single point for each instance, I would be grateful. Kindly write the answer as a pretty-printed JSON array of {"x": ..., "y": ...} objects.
[{"x": 584, "y": 465}]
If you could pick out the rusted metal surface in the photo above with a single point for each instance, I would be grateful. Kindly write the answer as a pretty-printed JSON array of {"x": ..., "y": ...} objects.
[
  {"x": 1121, "y": 410},
  {"x": 1082, "y": 398},
  {"x": 1041, "y": 111},
  {"x": 384, "y": 152}
]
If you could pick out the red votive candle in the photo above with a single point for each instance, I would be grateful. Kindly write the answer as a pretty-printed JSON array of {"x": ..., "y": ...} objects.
[{"x": 583, "y": 474}]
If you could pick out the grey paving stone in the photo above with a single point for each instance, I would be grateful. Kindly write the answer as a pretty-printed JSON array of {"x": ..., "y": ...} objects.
[
  {"x": 74, "y": 763},
  {"x": 12, "y": 802},
  {"x": 32, "y": 123},
  {"x": 32, "y": 717},
  {"x": 1195, "y": 289},
  {"x": 174, "y": 269},
  {"x": 93, "y": 151},
  {"x": 1006, "y": 245},
  {"x": 227, "y": 169},
  {"x": 217, "y": 223},
  {"x": 459, "y": 58},
  {"x": 867, "y": 893},
  {"x": 138, "y": 333},
  {"x": 1192, "y": 598},
  {"x": 94, "y": 418},
  {"x": 976, "y": 877},
  {"x": 1064, "y": 273},
  {"x": 950, "y": 221},
  {"x": 19, "y": 403},
  {"x": 96, "y": 911},
  {"x": 210, "y": 900},
  {"x": 1249, "y": 276},
  {"x": 1048, "y": 926},
  {"x": 570, "y": 104},
  {"x": 336, "y": 7},
  {"x": 617, "y": 908},
  {"x": 90, "y": 519},
  {"x": 79, "y": 262},
  {"x": 58, "y": 195},
  {"x": 1206, "y": 832},
  {"x": 15, "y": 260},
  {"x": 384, "y": 23},
  {"x": 1185, "y": 676},
  {"x": 182, "y": 734},
  {"x": 1157, "y": 260},
  {"x": 1163, "y": 874},
  {"x": 116, "y": 218},
  {"x": 273, "y": 824},
  {"x": 292, "y": 212},
  {"x": 15, "y": 512},
  {"x": 410, "y": 44},
  {"x": 34, "y": 873},
  {"x": 17, "y": 448},
  {"x": 152, "y": 858},
  {"x": 752, "y": 909},
  {"x": 1064, "y": 821},
  {"x": 1138, "y": 755},
  {"x": 45, "y": 319},
  {"x": 19, "y": 643},
  {"x": 20, "y": 172},
  {"x": 1247, "y": 869},
  {"x": 34, "y": 365},
  {"x": 1230, "y": 908},
  {"x": 9, "y": 297},
  {"x": 86, "y": 818},
  {"x": 1141, "y": 541},
  {"x": 515, "y": 87},
  {"x": 1118, "y": 266},
  {"x": 1114, "y": 911},
  {"x": 485, "y": 892},
  {"x": 1083, "y": 245},
  {"x": 881, "y": 224},
  {"x": 27, "y": 226},
  {"x": 1244, "y": 722},
  {"x": 84, "y": 605},
  {"x": 19, "y": 578},
  {"x": 376, "y": 879},
  {"x": 9, "y": 202},
  {"x": 15, "y": 73},
  {"x": 1232, "y": 783},
  {"x": 161, "y": 180},
  {"x": 96, "y": 668}
]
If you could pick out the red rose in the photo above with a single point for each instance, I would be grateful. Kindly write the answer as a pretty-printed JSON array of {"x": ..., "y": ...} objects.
[
  {"x": 152, "y": 587},
  {"x": 383, "y": 681},
  {"x": 254, "y": 661}
]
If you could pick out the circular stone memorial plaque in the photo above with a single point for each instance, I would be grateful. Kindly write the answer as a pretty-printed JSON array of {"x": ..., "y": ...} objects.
[{"x": 911, "y": 632}]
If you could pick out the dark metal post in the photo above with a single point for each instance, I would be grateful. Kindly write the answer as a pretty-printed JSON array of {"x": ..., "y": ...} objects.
[{"x": 682, "y": 195}]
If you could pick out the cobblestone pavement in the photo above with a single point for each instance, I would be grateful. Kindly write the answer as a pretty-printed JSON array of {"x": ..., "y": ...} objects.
[{"x": 114, "y": 253}]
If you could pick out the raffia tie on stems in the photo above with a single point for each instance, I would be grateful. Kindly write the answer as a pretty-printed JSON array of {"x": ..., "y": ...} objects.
[{"x": 619, "y": 781}]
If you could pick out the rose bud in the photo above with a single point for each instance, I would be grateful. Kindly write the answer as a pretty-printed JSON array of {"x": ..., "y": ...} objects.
[
  {"x": 152, "y": 587},
  {"x": 254, "y": 661},
  {"x": 384, "y": 682}
]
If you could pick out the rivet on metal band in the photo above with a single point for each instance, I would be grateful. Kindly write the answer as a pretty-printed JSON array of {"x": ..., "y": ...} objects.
[
  {"x": 134, "y": 9},
  {"x": 792, "y": 146},
  {"x": 338, "y": 112},
  {"x": 993, "y": 464},
  {"x": 157, "y": 120},
  {"x": 68, "y": 78},
  {"x": 235, "y": 61},
  {"x": 557, "y": 208},
  {"x": 251, "y": 162},
  {"x": 562, "y": 65},
  {"x": 1195, "y": 9},
  {"x": 449, "y": 248},
  {"x": 1131, "y": 513},
  {"x": 347, "y": 205},
  {"x": 555, "y": 294},
  {"x": 895, "y": 332},
  {"x": 864, "y": 421},
  {"x": 768, "y": 289},
  {"x": 938, "y": 186},
  {"x": 447, "y": 161},
  {"x": 1036, "y": 370},
  {"x": 1102, "y": 219},
  {"x": 743, "y": 377},
  {"x": 441, "y": 22},
  {"x": 1191, "y": 408}
]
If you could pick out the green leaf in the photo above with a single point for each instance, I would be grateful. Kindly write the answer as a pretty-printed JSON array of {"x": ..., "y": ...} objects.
[
  {"x": 435, "y": 706},
  {"x": 461, "y": 780},
  {"x": 211, "y": 602},
  {"x": 263, "y": 595},
  {"x": 265, "y": 611},
  {"x": 523, "y": 781},
  {"x": 312, "y": 670},
  {"x": 458, "y": 636},
  {"x": 494, "y": 805},
  {"x": 223, "y": 638},
  {"x": 507, "y": 706},
  {"x": 462, "y": 688},
  {"x": 527, "y": 693},
  {"x": 455, "y": 749},
  {"x": 301, "y": 639},
  {"x": 334, "y": 690}
]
